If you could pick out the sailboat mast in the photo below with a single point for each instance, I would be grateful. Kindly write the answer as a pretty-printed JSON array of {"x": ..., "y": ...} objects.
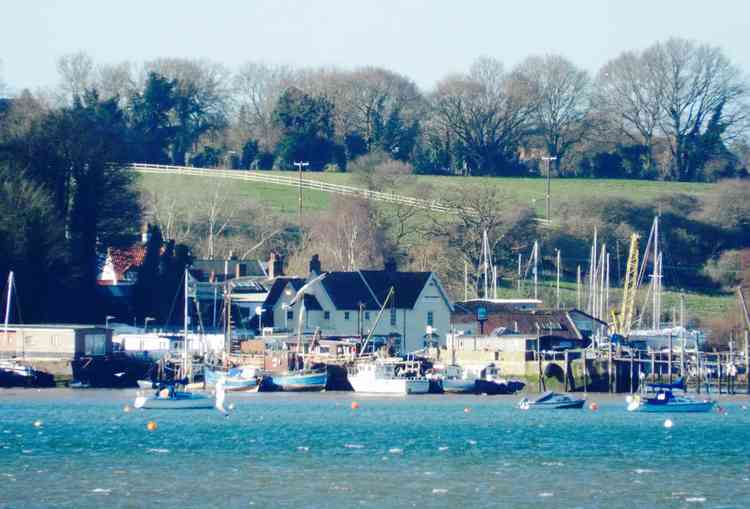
[
  {"x": 656, "y": 275},
  {"x": 185, "y": 325},
  {"x": 536, "y": 268},
  {"x": 7, "y": 305}
]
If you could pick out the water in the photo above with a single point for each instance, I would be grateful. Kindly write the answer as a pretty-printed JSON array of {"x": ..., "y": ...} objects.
[{"x": 313, "y": 450}]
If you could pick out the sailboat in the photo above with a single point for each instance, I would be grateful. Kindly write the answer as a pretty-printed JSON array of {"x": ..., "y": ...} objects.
[
  {"x": 301, "y": 377},
  {"x": 12, "y": 372},
  {"x": 166, "y": 396}
]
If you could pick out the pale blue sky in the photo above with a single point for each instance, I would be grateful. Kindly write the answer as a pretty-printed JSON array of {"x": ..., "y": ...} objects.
[{"x": 421, "y": 39}]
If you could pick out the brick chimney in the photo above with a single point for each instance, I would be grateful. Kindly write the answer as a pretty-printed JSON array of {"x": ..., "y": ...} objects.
[
  {"x": 315, "y": 265},
  {"x": 275, "y": 265}
]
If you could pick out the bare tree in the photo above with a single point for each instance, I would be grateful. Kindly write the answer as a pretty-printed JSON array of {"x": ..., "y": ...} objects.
[
  {"x": 76, "y": 74},
  {"x": 563, "y": 102},
  {"x": 256, "y": 89},
  {"x": 115, "y": 80},
  {"x": 698, "y": 85},
  {"x": 488, "y": 111}
]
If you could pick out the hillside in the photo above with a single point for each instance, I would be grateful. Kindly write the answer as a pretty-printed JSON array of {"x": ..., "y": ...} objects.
[{"x": 515, "y": 192}]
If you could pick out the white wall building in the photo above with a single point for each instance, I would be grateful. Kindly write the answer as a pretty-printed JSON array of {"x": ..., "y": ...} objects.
[{"x": 346, "y": 304}]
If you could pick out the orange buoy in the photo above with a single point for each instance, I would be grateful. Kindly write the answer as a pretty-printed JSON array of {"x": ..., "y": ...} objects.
[
  {"x": 151, "y": 426},
  {"x": 594, "y": 406},
  {"x": 355, "y": 405}
]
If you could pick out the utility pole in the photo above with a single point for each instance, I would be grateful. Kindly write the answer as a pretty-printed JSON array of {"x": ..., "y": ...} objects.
[
  {"x": 578, "y": 287},
  {"x": 300, "y": 165},
  {"x": 547, "y": 194},
  {"x": 557, "y": 291}
]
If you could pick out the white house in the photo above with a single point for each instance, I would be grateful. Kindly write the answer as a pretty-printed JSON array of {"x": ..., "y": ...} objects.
[{"x": 347, "y": 304}]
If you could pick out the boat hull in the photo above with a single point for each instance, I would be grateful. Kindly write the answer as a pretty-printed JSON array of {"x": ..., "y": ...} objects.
[
  {"x": 577, "y": 404},
  {"x": 181, "y": 401},
  {"x": 231, "y": 383},
  {"x": 402, "y": 386},
  {"x": 694, "y": 407},
  {"x": 308, "y": 382},
  {"x": 458, "y": 386}
]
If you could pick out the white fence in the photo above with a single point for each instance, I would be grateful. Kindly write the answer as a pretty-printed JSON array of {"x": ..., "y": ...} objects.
[{"x": 283, "y": 180}]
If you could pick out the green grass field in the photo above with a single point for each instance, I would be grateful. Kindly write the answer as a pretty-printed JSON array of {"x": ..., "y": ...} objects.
[{"x": 515, "y": 192}]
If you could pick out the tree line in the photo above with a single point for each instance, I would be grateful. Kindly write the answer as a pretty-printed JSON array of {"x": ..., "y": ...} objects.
[{"x": 676, "y": 110}]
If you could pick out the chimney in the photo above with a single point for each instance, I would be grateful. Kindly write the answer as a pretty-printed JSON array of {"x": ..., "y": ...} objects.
[
  {"x": 315, "y": 265},
  {"x": 275, "y": 265},
  {"x": 390, "y": 265}
]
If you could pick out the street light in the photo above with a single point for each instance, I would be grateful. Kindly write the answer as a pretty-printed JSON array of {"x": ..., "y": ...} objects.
[
  {"x": 548, "y": 159},
  {"x": 145, "y": 322},
  {"x": 106, "y": 321},
  {"x": 300, "y": 165}
]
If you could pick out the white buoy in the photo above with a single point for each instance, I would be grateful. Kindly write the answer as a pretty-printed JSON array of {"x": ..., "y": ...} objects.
[
  {"x": 668, "y": 423},
  {"x": 38, "y": 423}
]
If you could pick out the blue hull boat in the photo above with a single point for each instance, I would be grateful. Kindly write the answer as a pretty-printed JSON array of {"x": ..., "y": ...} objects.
[
  {"x": 301, "y": 380},
  {"x": 666, "y": 402}
]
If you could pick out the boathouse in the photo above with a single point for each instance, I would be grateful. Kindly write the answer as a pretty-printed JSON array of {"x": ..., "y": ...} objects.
[{"x": 55, "y": 342}]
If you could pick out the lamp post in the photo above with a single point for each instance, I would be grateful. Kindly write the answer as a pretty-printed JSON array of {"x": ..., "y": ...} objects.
[
  {"x": 547, "y": 193},
  {"x": 300, "y": 165},
  {"x": 145, "y": 322},
  {"x": 106, "y": 321}
]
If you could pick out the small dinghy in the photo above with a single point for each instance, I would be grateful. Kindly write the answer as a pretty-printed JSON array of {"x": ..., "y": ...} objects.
[
  {"x": 552, "y": 401},
  {"x": 667, "y": 402}
]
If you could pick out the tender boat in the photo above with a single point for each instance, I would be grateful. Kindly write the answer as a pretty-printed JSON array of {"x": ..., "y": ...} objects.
[
  {"x": 235, "y": 379},
  {"x": 302, "y": 380},
  {"x": 76, "y": 384},
  {"x": 667, "y": 402},
  {"x": 552, "y": 401},
  {"x": 387, "y": 376}
]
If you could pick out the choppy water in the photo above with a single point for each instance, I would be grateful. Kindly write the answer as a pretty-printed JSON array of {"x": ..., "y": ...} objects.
[{"x": 313, "y": 450}]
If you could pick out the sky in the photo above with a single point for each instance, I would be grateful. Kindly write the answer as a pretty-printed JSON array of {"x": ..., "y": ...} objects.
[{"x": 424, "y": 40}]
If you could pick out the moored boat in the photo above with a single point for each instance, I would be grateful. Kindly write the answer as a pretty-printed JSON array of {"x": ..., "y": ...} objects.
[
  {"x": 166, "y": 397},
  {"x": 387, "y": 376},
  {"x": 453, "y": 379},
  {"x": 667, "y": 402},
  {"x": 491, "y": 383},
  {"x": 552, "y": 401},
  {"x": 302, "y": 380},
  {"x": 235, "y": 379}
]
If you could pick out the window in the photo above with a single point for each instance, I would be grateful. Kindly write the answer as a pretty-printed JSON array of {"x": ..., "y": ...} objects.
[
  {"x": 346, "y": 315},
  {"x": 326, "y": 315},
  {"x": 367, "y": 315},
  {"x": 430, "y": 318},
  {"x": 393, "y": 316},
  {"x": 290, "y": 315}
]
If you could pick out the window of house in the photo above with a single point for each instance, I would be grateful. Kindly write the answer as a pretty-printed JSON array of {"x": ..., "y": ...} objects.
[
  {"x": 367, "y": 315},
  {"x": 290, "y": 315},
  {"x": 346, "y": 315},
  {"x": 326, "y": 315},
  {"x": 393, "y": 316},
  {"x": 430, "y": 318}
]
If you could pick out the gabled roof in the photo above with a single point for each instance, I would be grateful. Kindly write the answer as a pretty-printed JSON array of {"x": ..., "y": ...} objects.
[
  {"x": 348, "y": 290},
  {"x": 545, "y": 322},
  {"x": 202, "y": 269},
  {"x": 408, "y": 285},
  {"x": 278, "y": 286}
]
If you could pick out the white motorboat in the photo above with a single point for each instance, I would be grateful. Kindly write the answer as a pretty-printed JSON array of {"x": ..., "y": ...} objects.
[
  {"x": 552, "y": 401},
  {"x": 172, "y": 399},
  {"x": 387, "y": 376},
  {"x": 667, "y": 402}
]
